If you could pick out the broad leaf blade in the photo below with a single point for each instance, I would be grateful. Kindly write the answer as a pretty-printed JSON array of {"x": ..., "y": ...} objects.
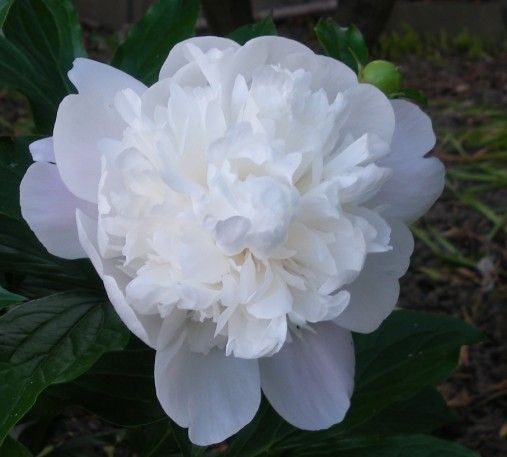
[
  {"x": 42, "y": 38},
  {"x": 392, "y": 446},
  {"x": 161, "y": 439},
  {"x": 412, "y": 94},
  {"x": 166, "y": 23},
  {"x": 19, "y": 73},
  {"x": 423, "y": 413},
  {"x": 119, "y": 387},
  {"x": 262, "y": 28},
  {"x": 409, "y": 351},
  {"x": 20, "y": 251},
  {"x": 14, "y": 160},
  {"x": 4, "y": 10},
  {"x": 22, "y": 254},
  {"x": 394, "y": 365},
  {"x": 342, "y": 43},
  {"x": 12, "y": 448},
  {"x": 51, "y": 340},
  {"x": 8, "y": 298}
]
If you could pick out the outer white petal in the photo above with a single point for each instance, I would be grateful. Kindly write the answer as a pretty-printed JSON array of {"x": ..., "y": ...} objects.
[
  {"x": 310, "y": 381},
  {"x": 145, "y": 328},
  {"x": 50, "y": 210},
  {"x": 265, "y": 50},
  {"x": 417, "y": 181},
  {"x": 178, "y": 57},
  {"x": 371, "y": 112},
  {"x": 101, "y": 81},
  {"x": 327, "y": 73},
  {"x": 213, "y": 395},
  {"x": 373, "y": 295},
  {"x": 42, "y": 150},
  {"x": 81, "y": 122}
]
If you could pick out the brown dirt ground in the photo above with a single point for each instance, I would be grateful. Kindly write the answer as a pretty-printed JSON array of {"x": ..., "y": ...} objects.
[{"x": 478, "y": 390}]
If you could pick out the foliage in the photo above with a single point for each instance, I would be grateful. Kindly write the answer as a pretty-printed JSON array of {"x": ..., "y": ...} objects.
[
  {"x": 342, "y": 43},
  {"x": 264, "y": 27},
  {"x": 349, "y": 46},
  {"x": 62, "y": 345},
  {"x": 166, "y": 23},
  {"x": 408, "y": 42}
]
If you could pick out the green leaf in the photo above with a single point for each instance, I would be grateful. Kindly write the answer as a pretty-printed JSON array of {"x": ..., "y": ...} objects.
[
  {"x": 119, "y": 387},
  {"x": 423, "y": 413},
  {"x": 412, "y": 94},
  {"x": 152, "y": 440},
  {"x": 409, "y": 351},
  {"x": 19, "y": 73},
  {"x": 265, "y": 434},
  {"x": 41, "y": 40},
  {"x": 264, "y": 27},
  {"x": 14, "y": 160},
  {"x": 8, "y": 298},
  {"x": 342, "y": 43},
  {"x": 148, "y": 43},
  {"x": 51, "y": 340},
  {"x": 12, "y": 448},
  {"x": 21, "y": 253},
  {"x": 395, "y": 364},
  {"x": 161, "y": 439},
  {"x": 392, "y": 446},
  {"x": 4, "y": 10}
]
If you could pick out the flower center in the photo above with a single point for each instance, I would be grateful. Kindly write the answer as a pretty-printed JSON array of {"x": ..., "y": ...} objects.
[{"x": 239, "y": 210}]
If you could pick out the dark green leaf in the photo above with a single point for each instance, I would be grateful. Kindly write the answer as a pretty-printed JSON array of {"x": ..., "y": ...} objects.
[
  {"x": 409, "y": 351},
  {"x": 19, "y": 73},
  {"x": 119, "y": 387},
  {"x": 14, "y": 160},
  {"x": 21, "y": 253},
  {"x": 51, "y": 340},
  {"x": 148, "y": 43},
  {"x": 392, "y": 446},
  {"x": 8, "y": 298},
  {"x": 423, "y": 413},
  {"x": 12, "y": 448},
  {"x": 264, "y": 27},
  {"x": 264, "y": 434},
  {"x": 161, "y": 439},
  {"x": 412, "y": 94},
  {"x": 357, "y": 45},
  {"x": 4, "y": 10},
  {"x": 342, "y": 43},
  {"x": 394, "y": 365},
  {"x": 154, "y": 440},
  {"x": 42, "y": 38},
  {"x": 48, "y": 31}
]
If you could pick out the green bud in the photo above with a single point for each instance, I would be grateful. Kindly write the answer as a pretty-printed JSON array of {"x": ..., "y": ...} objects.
[{"x": 383, "y": 75}]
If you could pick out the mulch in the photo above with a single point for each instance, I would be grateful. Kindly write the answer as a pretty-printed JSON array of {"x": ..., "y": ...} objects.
[{"x": 478, "y": 390}]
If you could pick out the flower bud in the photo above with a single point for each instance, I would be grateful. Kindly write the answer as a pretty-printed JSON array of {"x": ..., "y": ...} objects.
[{"x": 382, "y": 74}]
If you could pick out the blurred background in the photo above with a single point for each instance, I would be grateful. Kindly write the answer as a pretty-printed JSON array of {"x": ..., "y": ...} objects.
[{"x": 455, "y": 51}]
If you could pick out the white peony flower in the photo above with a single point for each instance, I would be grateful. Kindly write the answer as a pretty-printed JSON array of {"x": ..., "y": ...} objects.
[{"x": 245, "y": 213}]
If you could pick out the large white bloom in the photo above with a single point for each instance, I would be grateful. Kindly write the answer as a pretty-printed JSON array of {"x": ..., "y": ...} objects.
[{"x": 245, "y": 213}]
